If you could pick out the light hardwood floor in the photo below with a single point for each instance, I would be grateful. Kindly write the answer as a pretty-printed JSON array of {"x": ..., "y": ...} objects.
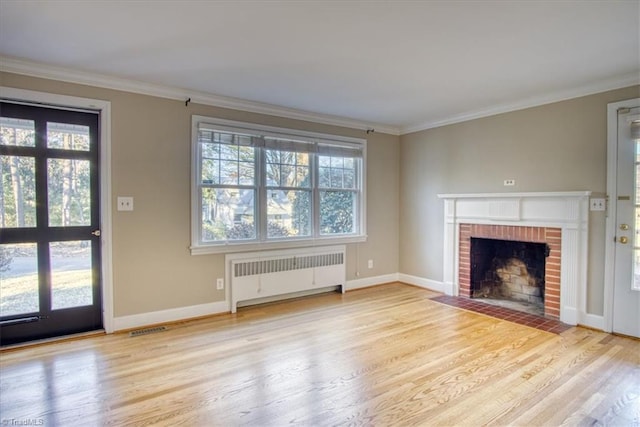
[{"x": 383, "y": 356}]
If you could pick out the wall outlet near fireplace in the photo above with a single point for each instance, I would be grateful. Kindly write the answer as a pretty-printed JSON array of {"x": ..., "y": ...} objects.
[
  {"x": 509, "y": 182},
  {"x": 598, "y": 204},
  {"x": 220, "y": 284},
  {"x": 370, "y": 263}
]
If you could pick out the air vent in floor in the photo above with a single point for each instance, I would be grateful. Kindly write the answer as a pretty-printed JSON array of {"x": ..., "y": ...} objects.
[{"x": 147, "y": 331}]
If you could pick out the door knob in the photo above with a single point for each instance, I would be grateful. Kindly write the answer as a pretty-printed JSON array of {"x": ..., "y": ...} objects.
[
  {"x": 96, "y": 233},
  {"x": 624, "y": 226},
  {"x": 624, "y": 240}
]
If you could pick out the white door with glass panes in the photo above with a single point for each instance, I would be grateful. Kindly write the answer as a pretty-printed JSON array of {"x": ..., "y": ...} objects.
[{"x": 626, "y": 289}]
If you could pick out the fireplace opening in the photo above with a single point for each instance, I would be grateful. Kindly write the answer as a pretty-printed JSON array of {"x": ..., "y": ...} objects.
[{"x": 509, "y": 273}]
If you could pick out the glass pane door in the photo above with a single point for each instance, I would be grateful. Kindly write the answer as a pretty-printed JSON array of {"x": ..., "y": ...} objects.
[{"x": 49, "y": 223}]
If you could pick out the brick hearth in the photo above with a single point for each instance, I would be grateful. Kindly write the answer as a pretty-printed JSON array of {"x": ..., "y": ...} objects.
[{"x": 550, "y": 236}]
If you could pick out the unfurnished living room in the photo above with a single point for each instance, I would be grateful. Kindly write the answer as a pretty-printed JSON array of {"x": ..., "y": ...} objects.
[{"x": 320, "y": 213}]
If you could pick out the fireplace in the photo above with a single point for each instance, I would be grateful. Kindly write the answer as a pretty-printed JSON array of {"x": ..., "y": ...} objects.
[
  {"x": 509, "y": 273},
  {"x": 558, "y": 221},
  {"x": 516, "y": 255},
  {"x": 546, "y": 239}
]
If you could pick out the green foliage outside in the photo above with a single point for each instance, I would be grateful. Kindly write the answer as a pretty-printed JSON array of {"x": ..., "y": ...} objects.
[
  {"x": 67, "y": 186},
  {"x": 336, "y": 212},
  {"x": 228, "y": 200}
]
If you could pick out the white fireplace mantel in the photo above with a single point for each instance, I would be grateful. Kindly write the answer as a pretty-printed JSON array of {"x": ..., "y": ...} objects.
[{"x": 568, "y": 211}]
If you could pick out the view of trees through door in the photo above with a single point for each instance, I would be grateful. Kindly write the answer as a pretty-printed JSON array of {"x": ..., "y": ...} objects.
[
  {"x": 49, "y": 222},
  {"x": 68, "y": 197}
]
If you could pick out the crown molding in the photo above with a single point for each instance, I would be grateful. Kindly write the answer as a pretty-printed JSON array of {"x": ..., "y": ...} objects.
[
  {"x": 46, "y": 71},
  {"x": 548, "y": 98}
]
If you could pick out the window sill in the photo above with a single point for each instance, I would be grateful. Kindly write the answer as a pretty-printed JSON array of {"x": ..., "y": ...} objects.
[{"x": 227, "y": 248}]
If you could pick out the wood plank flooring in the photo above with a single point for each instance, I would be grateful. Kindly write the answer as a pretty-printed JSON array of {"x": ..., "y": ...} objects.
[{"x": 382, "y": 356}]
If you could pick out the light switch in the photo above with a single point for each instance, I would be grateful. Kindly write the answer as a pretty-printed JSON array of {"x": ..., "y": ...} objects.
[{"x": 125, "y": 203}]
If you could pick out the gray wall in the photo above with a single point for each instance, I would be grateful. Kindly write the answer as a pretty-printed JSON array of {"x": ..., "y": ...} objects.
[
  {"x": 555, "y": 147},
  {"x": 153, "y": 269}
]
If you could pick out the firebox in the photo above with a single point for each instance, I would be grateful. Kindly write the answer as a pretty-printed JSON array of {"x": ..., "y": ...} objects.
[{"x": 509, "y": 273}]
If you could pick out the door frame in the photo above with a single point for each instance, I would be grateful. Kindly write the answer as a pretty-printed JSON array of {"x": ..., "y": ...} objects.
[
  {"x": 612, "y": 196},
  {"x": 104, "y": 110}
]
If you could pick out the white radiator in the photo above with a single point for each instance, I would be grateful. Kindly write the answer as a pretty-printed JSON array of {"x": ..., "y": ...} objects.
[{"x": 257, "y": 275}]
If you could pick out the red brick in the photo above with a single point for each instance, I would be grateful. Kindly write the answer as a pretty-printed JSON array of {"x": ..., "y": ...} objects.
[{"x": 550, "y": 235}]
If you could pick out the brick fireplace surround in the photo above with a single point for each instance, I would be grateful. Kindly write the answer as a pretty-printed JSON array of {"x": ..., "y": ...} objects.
[
  {"x": 559, "y": 219},
  {"x": 550, "y": 235}
]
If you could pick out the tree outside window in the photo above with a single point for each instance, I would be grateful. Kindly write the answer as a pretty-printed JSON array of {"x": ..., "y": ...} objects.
[{"x": 255, "y": 186}]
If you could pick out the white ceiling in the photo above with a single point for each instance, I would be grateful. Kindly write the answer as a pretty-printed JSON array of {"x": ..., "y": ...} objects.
[{"x": 402, "y": 65}]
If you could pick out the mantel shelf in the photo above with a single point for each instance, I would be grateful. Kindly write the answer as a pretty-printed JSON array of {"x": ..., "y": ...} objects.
[
  {"x": 552, "y": 194},
  {"x": 566, "y": 210}
]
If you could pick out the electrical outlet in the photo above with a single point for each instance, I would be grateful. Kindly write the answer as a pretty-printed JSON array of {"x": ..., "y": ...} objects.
[
  {"x": 370, "y": 263},
  {"x": 220, "y": 284},
  {"x": 598, "y": 204},
  {"x": 509, "y": 182},
  {"x": 125, "y": 203}
]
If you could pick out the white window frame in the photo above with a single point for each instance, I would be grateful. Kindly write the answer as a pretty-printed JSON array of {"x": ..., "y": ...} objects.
[{"x": 200, "y": 248}]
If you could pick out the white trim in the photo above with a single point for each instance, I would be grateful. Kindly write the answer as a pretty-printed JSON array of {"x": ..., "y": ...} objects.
[
  {"x": 45, "y": 71},
  {"x": 231, "y": 248},
  {"x": 593, "y": 321},
  {"x": 273, "y": 131},
  {"x": 566, "y": 210},
  {"x": 261, "y": 243},
  {"x": 612, "y": 195},
  {"x": 222, "y": 307},
  {"x": 548, "y": 98},
  {"x": 104, "y": 108},
  {"x": 432, "y": 285},
  {"x": 366, "y": 282},
  {"x": 170, "y": 315},
  {"x": 515, "y": 195}
]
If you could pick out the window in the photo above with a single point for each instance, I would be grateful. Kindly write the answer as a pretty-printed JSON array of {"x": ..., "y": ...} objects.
[
  {"x": 338, "y": 194},
  {"x": 265, "y": 187},
  {"x": 228, "y": 186}
]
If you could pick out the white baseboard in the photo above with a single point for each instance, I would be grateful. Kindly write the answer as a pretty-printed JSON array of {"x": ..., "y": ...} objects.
[
  {"x": 569, "y": 316},
  {"x": 432, "y": 285},
  {"x": 171, "y": 315},
  {"x": 371, "y": 281},
  {"x": 183, "y": 313},
  {"x": 592, "y": 321}
]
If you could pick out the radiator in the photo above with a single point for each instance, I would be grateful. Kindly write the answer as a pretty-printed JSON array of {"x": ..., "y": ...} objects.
[{"x": 257, "y": 275}]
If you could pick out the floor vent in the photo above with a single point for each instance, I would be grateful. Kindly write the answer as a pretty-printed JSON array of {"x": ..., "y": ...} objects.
[{"x": 147, "y": 331}]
